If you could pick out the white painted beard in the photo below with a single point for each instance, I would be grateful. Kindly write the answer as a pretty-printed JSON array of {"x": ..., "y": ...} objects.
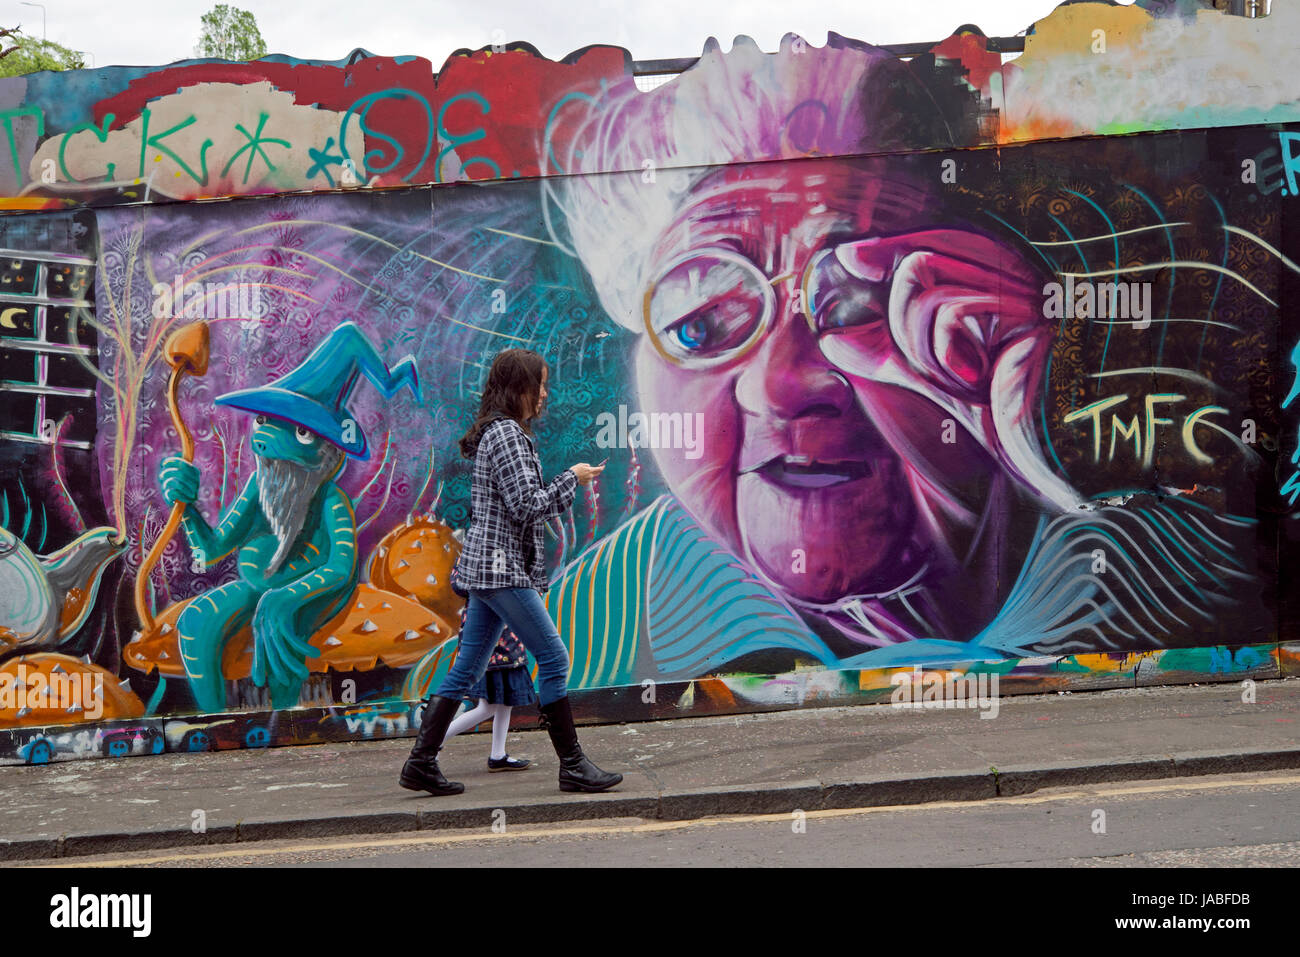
[{"x": 285, "y": 490}]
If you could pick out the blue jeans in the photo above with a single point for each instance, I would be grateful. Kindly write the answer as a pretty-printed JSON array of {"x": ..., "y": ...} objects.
[{"x": 489, "y": 612}]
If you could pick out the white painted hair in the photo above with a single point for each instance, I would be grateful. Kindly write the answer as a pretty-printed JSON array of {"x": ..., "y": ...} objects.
[{"x": 636, "y": 155}]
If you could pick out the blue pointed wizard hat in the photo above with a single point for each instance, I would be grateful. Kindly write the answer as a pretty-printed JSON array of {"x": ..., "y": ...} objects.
[{"x": 315, "y": 395}]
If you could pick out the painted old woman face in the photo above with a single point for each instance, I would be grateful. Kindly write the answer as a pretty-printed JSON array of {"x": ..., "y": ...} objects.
[{"x": 841, "y": 351}]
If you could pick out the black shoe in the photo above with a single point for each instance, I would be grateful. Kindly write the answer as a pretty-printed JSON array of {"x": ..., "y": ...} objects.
[
  {"x": 508, "y": 764},
  {"x": 577, "y": 773},
  {"x": 420, "y": 773}
]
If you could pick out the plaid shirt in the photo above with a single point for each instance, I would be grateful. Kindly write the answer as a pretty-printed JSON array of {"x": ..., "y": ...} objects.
[{"x": 505, "y": 546}]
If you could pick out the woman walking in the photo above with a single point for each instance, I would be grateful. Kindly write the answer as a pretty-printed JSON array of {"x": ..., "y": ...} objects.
[{"x": 503, "y": 568}]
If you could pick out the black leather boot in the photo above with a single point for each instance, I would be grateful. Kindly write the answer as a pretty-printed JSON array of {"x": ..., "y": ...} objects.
[
  {"x": 420, "y": 773},
  {"x": 577, "y": 773}
]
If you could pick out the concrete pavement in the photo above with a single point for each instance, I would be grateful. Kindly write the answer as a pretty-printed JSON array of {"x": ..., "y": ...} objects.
[{"x": 810, "y": 759}]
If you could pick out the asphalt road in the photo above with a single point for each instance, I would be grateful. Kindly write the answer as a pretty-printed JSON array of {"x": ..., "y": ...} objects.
[{"x": 1222, "y": 821}]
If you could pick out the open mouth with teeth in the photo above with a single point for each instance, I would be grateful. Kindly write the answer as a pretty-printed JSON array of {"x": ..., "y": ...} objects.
[{"x": 801, "y": 471}]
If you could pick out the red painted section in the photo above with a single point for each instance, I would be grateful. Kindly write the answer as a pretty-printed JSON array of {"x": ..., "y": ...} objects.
[
  {"x": 522, "y": 91},
  {"x": 329, "y": 87},
  {"x": 969, "y": 49},
  {"x": 496, "y": 104}
]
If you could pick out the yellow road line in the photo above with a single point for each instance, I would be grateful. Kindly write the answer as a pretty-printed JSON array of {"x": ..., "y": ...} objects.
[{"x": 649, "y": 827}]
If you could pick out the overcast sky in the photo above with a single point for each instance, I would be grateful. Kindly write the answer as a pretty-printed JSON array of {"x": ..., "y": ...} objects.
[{"x": 160, "y": 32}]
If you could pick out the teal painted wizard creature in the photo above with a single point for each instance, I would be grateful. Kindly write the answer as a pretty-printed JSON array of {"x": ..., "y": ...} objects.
[{"x": 292, "y": 524}]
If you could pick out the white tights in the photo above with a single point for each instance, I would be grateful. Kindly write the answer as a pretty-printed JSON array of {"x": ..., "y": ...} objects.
[{"x": 500, "y": 715}]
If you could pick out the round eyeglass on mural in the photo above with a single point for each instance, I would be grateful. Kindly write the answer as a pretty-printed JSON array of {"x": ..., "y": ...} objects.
[{"x": 712, "y": 306}]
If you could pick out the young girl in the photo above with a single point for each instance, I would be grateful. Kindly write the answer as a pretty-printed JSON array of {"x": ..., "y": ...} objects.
[
  {"x": 503, "y": 568},
  {"x": 506, "y": 685}
]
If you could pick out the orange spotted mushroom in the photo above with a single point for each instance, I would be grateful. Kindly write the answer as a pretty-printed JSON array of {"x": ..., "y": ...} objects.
[
  {"x": 375, "y": 626},
  {"x": 415, "y": 559},
  {"x": 51, "y": 689}
]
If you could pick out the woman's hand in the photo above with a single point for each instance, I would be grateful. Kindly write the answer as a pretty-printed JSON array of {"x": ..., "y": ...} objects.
[
  {"x": 959, "y": 303},
  {"x": 585, "y": 473}
]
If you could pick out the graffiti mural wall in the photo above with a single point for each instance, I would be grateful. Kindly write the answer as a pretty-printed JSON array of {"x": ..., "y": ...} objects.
[{"x": 934, "y": 363}]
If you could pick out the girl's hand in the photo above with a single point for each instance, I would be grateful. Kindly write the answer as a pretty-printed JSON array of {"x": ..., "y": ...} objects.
[{"x": 585, "y": 473}]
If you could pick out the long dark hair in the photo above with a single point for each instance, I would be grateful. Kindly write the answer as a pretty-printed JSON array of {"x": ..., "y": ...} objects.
[{"x": 512, "y": 386}]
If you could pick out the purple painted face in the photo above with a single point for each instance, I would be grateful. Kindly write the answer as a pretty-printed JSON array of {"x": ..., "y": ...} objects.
[{"x": 840, "y": 354}]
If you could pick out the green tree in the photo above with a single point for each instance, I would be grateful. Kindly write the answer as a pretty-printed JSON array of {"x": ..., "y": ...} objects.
[
  {"x": 32, "y": 54},
  {"x": 230, "y": 33}
]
